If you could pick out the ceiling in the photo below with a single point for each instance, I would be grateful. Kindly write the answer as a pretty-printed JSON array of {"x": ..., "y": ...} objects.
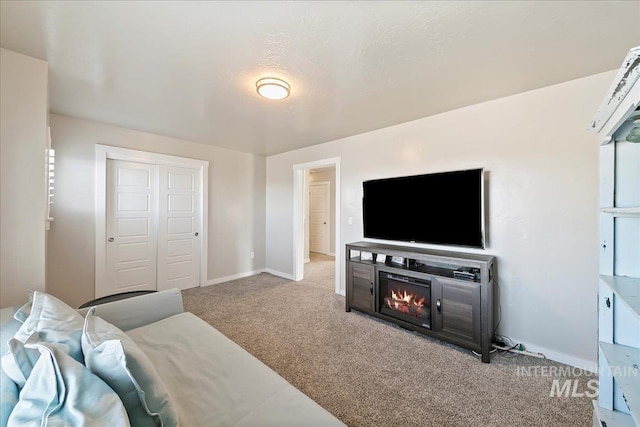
[{"x": 188, "y": 69}]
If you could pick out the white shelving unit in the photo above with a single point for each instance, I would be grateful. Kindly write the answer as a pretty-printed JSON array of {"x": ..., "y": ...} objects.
[{"x": 618, "y": 401}]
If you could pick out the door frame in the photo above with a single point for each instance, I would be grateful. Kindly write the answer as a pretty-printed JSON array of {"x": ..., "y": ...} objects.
[
  {"x": 298, "y": 220},
  {"x": 107, "y": 152},
  {"x": 327, "y": 185}
]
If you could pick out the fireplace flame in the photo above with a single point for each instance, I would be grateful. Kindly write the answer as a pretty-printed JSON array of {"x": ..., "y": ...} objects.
[
  {"x": 406, "y": 299},
  {"x": 406, "y": 303}
]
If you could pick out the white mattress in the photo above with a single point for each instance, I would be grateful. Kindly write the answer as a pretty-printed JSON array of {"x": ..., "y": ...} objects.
[{"x": 215, "y": 382}]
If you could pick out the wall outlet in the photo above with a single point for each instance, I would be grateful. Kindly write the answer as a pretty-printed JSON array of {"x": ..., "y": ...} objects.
[{"x": 253, "y": 255}]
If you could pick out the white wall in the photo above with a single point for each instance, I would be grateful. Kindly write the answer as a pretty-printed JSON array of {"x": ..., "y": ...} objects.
[
  {"x": 236, "y": 204},
  {"x": 23, "y": 139},
  {"x": 542, "y": 203}
]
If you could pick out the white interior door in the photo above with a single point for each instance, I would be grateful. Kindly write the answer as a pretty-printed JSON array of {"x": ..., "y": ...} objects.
[
  {"x": 131, "y": 227},
  {"x": 179, "y": 230},
  {"x": 319, "y": 207}
]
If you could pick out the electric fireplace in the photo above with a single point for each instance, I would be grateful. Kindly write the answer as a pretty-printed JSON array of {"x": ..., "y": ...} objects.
[{"x": 405, "y": 298}]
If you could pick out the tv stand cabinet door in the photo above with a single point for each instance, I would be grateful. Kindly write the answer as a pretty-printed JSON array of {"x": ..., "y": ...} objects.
[
  {"x": 459, "y": 312},
  {"x": 360, "y": 281}
]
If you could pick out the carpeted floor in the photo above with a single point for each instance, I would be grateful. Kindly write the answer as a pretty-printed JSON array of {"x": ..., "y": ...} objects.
[{"x": 372, "y": 373}]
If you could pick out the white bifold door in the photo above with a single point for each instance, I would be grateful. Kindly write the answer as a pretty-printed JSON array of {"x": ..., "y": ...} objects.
[{"x": 152, "y": 227}]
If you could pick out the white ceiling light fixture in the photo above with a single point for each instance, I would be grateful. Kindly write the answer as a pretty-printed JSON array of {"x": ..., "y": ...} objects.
[{"x": 272, "y": 88}]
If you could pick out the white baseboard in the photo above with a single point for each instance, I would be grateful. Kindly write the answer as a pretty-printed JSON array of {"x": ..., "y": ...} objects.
[
  {"x": 279, "y": 274},
  {"x": 253, "y": 273},
  {"x": 233, "y": 277},
  {"x": 557, "y": 356}
]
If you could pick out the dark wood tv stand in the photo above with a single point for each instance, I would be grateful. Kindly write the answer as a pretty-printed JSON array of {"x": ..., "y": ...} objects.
[{"x": 460, "y": 287}]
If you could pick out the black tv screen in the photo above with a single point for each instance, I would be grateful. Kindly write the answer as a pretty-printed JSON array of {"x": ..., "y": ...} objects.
[{"x": 440, "y": 208}]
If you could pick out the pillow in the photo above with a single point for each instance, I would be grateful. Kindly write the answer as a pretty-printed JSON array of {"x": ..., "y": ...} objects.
[
  {"x": 55, "y": 322},
  {"x": 113, "y": 356},
  {"x": 18, "y": 363},
  {"x": 60, "y": 391},
  {"x": 24, "y": 311},
  {"x": 8, "y": 397}
]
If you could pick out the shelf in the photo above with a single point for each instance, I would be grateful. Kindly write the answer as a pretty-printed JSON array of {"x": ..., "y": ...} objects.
[
  {"x": 633, "y": 212},
  {"x": 421, "y": 261},
  {"x": 611, "y": 418},
  {"x": 619, "y": 296},
  {"x": 624, "y": 362},
  {"x": 626, "y": 289},
  {"x": 431, "y": 254}
]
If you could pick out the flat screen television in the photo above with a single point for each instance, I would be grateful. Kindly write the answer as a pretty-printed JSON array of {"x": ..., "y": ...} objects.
[{"x": 444, "y": 208}]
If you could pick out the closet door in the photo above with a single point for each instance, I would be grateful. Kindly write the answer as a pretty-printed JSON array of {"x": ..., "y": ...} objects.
[
  {"x": 131, "y": 226},
  {"x": 179, "y": 231}
]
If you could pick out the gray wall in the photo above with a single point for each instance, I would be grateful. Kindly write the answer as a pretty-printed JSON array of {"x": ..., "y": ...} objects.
[
  {"x": 542, "y": 164},
  {"x": 236, "y": 204}
]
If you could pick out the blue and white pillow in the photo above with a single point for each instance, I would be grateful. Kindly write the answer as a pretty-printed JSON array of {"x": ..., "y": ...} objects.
[
  {"x": 54, "y": 322},
  {"x": 113, "y": 356},
  {"x": 60, "y": 391},
  {"x": 9, "y": 395},
  {"x": 45, "y": 319},
  {"x": 18, "y": 363},
  {"x": 23, "y": 312}
]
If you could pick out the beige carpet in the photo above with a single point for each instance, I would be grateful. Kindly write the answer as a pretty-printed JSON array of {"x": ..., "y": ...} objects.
[{"x": 371, "y": 373}]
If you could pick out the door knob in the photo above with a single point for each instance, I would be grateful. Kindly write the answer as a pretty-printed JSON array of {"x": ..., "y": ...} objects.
[
  {"x": 110, "y": 239},
  {"x": 196, "y": 234}
]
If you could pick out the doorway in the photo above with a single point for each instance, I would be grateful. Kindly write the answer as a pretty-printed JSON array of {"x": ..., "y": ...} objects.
[{"x": 301, "y": 218}]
